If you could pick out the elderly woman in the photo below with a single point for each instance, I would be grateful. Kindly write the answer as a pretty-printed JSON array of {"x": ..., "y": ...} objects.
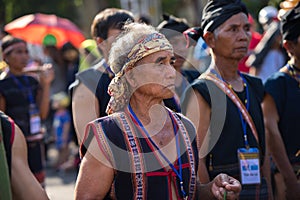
[
  {"x": 143, "y": 150},
  {"x": 229, "y": 121}
]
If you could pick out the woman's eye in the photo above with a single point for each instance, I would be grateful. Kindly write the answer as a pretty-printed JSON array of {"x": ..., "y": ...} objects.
[{"x": 234, "y": 29}]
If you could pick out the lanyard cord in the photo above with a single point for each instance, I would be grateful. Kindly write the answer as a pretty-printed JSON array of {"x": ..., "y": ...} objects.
[
  {"x": 21, "y": 87},
  {"x": 247, "y": 102},
  {"x": 179, "y": 174},
  {"x": 243, "y": 121}
]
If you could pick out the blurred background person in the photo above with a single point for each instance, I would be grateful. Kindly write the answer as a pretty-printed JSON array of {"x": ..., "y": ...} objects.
[
  {"x": 26, "y": 100},
  {"x": 173, "y": 28},
  {"x": 282, "y": 113},
  {"x": 2, "y": 63},
  {"x": 89, "y": 54},
  {"x": 268, "y": 55},
  {"x": 144, "y": 19},
  {"x": 61, "y": 127},
  {"x": 89, "y": 91},
  {"x": 71, "y": 57},
  {"x": 17, "y": 181},
  {"x": 53, "y": 56}
]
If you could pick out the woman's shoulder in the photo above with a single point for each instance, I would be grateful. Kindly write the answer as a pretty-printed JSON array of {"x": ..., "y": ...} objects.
[
  {"x": 256, "y": 85},
  {"x": 252, "y": 79},
  {"x": 111, "y": 121},
  {"x": 277, "y": 82},
  {"x": 278, "y": 76}
]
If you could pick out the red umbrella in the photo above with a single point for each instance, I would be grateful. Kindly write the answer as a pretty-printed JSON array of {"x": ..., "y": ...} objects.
[{"x": 34, "y": 27}]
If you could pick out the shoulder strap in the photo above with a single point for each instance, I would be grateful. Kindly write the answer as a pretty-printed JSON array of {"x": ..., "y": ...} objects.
[
  {"x": 90, "y": 80},
  {"x": 135, "y": 153},
  {"x": 235, "y": 99},
  {"x": 5, "y": 188}
]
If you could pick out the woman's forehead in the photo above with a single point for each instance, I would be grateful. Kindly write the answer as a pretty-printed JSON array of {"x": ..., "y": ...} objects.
[
  {"x": 158, "y": 54},
  {"x": 240, "y": 18}
]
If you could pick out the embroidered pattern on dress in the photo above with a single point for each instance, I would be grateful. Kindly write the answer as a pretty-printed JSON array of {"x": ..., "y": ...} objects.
[
  {"x": 190, "y": 156},
  {"x": 135, "y": 152}
]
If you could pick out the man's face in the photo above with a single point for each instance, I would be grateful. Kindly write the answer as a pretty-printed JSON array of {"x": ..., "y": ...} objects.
[{"x": 231, "y": 39}]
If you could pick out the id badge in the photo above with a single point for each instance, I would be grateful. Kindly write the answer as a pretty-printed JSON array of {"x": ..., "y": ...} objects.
[
  {"x": 249, "y": 165},
  {"x": 35, "y": 120}
]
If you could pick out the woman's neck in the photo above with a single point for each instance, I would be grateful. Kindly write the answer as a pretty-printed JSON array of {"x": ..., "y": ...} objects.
[
  {"x": 144, "y": 107},
  {"x": 295, "y": 63},
  {"x": 15, "y": 72},
  {"x": 227, "y": 69}
]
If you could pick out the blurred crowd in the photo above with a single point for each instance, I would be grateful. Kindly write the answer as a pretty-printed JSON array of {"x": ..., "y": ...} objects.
[{"x": 51, "y": 92}]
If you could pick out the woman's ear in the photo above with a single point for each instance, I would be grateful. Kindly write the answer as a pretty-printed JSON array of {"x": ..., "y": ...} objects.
[
  {"x": 209, "y": 39},
  {"x": 130, "y": 79},
  {"x": 5, "y": 58},
  {"x": 289, "y": 46},
  {"x": 100, "y": 42}
]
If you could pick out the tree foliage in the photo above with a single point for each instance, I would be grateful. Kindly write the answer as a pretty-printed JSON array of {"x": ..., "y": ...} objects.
[{"x": 13, "y": 9}]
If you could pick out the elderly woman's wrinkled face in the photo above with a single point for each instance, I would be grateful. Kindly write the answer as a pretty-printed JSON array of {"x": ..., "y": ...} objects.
[
  {"x": 154, "y": 75},
  {"x": 231, "y": 39}
]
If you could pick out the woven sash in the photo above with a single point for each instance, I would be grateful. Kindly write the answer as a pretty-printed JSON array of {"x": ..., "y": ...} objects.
[{"x": 235, "y": 99}]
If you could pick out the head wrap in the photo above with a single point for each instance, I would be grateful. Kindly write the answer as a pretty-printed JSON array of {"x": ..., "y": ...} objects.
[
  {"x": 216, "y": 12},
  {"x": 13, "y": 46},
  {"x": 118, "y": 88},
  {"x": 290, "y": 23}
]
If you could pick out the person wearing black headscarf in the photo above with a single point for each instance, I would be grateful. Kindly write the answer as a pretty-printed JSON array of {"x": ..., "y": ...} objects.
[
  {"x": 225, "y": 105},
  {"x": 173, "y": 28},
  {"x": 282, "y": 113}
]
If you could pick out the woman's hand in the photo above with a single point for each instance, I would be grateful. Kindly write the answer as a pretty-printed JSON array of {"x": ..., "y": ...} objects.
[
  {"x": 46, "y": 75},
  {"x": 225, "y": 187}
]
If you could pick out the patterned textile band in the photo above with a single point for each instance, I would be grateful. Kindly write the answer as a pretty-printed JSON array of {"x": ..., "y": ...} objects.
[
  {"x": 146, "y": 45},
  {"x": 12, "y": 47},
  {"x": 235, "y": 99}
]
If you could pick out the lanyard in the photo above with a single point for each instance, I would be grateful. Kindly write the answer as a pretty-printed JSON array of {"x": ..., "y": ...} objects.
[
  {"x": 179, "y": 174},
  {"x": 247, "y": 102},
  {"x": 22, "y": 88}
]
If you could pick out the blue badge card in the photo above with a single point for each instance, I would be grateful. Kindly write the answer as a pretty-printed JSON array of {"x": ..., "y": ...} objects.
[
  {"x": 249, "y": 165},
  {"x": 35, "y": 120}
]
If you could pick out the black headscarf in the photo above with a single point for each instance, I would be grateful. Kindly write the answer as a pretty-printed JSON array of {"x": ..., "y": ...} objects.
[
  {"x": 216, "y": 12},
  {"x": 172, "y": 26},
  {"x": 290, "y": 24}
]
